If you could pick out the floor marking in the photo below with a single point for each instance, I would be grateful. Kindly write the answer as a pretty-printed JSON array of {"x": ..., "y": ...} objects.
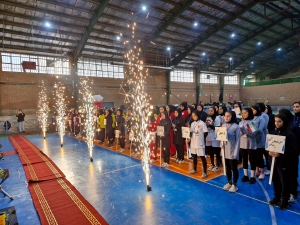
[
  {"x": 273, "y": 216},
  {"x": 120, "y": 169}
]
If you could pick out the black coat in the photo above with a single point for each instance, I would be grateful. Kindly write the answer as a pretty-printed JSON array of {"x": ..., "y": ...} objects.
[
  {"x": 120, "y": 124},
  {"x": 290, "y": 156},
  {"x": 271, "y": 124},
  {"x": 203, "y": 116},
  {"x": 21, "y": 117},
  {"x": 109, "y": 127},
  {"x": 178, "y": 139},
  {"x": 166, "y": 123}
]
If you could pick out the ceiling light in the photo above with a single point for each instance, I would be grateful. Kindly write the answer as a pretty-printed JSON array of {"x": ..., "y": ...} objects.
[
  {"x": 203, "y": 53},
  {"x": 118, "y": 38},
  {"x": 233, "y": 35},
  {"x": 144, "y": 8},
  {"x": 195, "y": 24},
  {"x": 252, "y": 62},
  {"x": 48, "y": 24},
  {"x": 259, "y": 43},
  {"x": 168, "y": 48},
  {"x": 230, "y": 58},
  {"x": 279, "y": 49}
]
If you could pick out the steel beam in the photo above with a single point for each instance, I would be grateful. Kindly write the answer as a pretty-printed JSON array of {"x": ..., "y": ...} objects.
[{"x": 89, "y": 29}]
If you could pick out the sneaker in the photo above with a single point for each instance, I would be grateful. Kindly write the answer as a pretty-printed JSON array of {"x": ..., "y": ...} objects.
[
  {"x": 151, "y": 160},
  {"x": 163, "y": 165},
  {"x": 210, "y": 167},
  {"x": 252, "y": 180},
  {"x": 121, "y": 150},
  {"x": 166, "y": 165},
  {"x": 233, "y": 188},
  {"x": 110, "y": 146},
  {"x": 267, "y": 172},
  {"x": 283, "y": 205},
  {"x": 274, "y": 201},
  {"x": 261, "y": 176},
  {"x": 204, "y": 175},
  {"x": 134, "y": 154},
  {"x": 177, "y": 160},
  {"x": 215, "y": 169},
  {"x": 293, "y": 199},
  {"x": 181, "y": 161},
  {"x": 245, "y": 179},
  {"x": 192, "y": 172},
  {"x": 191, "y": 158},
  {"x": 227, "y": 187}
]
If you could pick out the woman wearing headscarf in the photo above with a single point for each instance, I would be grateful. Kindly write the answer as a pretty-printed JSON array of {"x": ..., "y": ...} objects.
[
  {"x": 109, "y": 128},
  {"x": 283, "y": 165},
  {"x": 222, "y": 110},
  {"x": 101, "y": 119},
  {"x": 213, "y": 145},
  {"x": 178, "y": 140},
  {"x": 198, "y": 133},
  {"x": 260, "y": 141},
  {"x": 120, "y": 126},
  {"x": 294, "y": 165},
  {"x": 183, "y": 107},
  {"x": 203, "y": 115},
  {"x": 165, "y": 140},
  {"x": 170, "y": 109},
  {"x": 248, "y": 145},
  {"x": 271, "y": 127},
  {"x": 231, "y": 150},
  {"x": 238, "y": 110}
]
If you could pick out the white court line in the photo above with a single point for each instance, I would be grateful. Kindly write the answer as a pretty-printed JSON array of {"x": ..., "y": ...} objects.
[
  {"x": 273, "y": 216},
  {"x": 120, "y": 169},
  {"x": 251, "y": 197}
]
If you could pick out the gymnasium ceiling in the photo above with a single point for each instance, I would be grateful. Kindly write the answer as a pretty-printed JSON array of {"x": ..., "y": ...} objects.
[{"x": 259, "y": 36}]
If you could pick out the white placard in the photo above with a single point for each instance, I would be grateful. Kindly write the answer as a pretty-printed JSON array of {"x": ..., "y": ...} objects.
[
  {"x": 275, "y": 143},
  {"x": 237, "y": 110},
  {"x": 117, "y": 133},
  {"x": 185, "y": 132},
  {"x": 131, "y": 136},
  {"x": 104, "y": 121},
  {"x": 221, "y": 133},
  {"x": 160, "y": 131}
]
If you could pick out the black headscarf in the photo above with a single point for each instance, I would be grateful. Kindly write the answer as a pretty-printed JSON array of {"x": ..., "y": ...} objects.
[
  {"x": 184, "y": 104},
  {"x": 269, "y": 109},
  {"x": 172, "y": 108},
  {"x": 201, "y": 107},
  {"x": 250, "y": 114},
  {"x": 224, "y": 110},
  {"x": 289, "y": 116},
  {"x": 261, "y": 106},
  {"x": 179, "y": 112},
  {"x": 284, "y": 120},
  {"x": 166, "y": 115},
  {"x": 215, "y": 113},
  {"x": 233, "y": 117},
  {"x": 257, "y": 108}
]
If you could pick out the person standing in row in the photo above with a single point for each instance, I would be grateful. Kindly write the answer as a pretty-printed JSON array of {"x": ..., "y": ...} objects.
[
  {"x": 120, "y": 127},
  {"x": 177, "y": 125},
  {"x": 260, "y": 138},
  {"x": 222, "y": 110},
  {"x": 109, "y": 128},
  {"x": 248, "y": 146},
  {"x": 77, "y": 122},
  {"x": 183, "y": 107},
  {"x": 231, "y": 150},
  {"x": 283, "y": 163},
  {"x": 271, "y": 127},
  {"x": 198, "y": 133},
  {"x": 170, "y": 109},
  {"x": 296, "y": 108},
  {"x": 101, "y": 119},
  {"x": 203, "y": 115},
  {"x": 213, "y": 145},
  {"x": 21, "y": 117},
  {"x": 165, "y": 140}
]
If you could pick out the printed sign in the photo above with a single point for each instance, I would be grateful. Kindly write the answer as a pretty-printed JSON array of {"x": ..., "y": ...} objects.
[
  {"x": 185, "y": 132},
  {"x": 275, "y": 143},
  {"x": 221, "y": 133},
  {"x": 237, "y": 110},
  {"x": 131, "y": 136},
  {"x": 160, "y": 131},
  {"x": 117, "y": 133}
]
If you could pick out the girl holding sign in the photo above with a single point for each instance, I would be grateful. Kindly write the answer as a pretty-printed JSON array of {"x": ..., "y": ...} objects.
[
  {"x": 165, "y": 140},
  {"x": 177, "y": 123},
  {"x": 260, "y": 140},
  {"x": 283, "y": 163},
  {"x": 231, "y": 150},
  {"x": 198, "y": 134},
  {"x": 213, "y": 146},
  {"x": 248, "y": 144}
]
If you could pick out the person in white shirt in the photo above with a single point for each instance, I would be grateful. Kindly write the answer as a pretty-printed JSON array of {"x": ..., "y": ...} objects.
[{"x": 198, "y": 132}]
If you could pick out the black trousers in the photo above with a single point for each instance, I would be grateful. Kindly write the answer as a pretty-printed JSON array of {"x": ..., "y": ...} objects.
[
  {"x": 195, "y": 162},
  {"x": 110, "y": 136},
  {"x": 260, "y": 157},
  {"x": 77, "y": 129},
  {"x": 266, "y": 154},
  {"x": 122, "y": 140},
  {"x": 212, "y": 152},
  {"x": 102, "y": 134},
  {"x": 180, "y": 152},
  {"x": 251, "y": 154},
  {"x": 293, "y": 174},
  {"x": 281, "y": 183},
  {"x": 232, "y": 170},
  {"x": 166, "y": 152}
]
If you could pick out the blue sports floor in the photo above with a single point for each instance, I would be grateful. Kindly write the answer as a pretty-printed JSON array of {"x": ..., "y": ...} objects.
[{"x": 115, "y": 185}]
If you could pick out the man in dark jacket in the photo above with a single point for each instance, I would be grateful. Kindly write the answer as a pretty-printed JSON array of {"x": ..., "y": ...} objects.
[{"x": 20, "y": 120}]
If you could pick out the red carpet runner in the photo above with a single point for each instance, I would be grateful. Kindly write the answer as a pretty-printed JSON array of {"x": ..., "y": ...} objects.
[{"x": 55, "y": 198}]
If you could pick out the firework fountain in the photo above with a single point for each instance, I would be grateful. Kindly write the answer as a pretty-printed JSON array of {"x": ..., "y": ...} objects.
[
  {"x": 61, "y": 109},
  {"x": 136, "y": 75},
  {"x": 43, "y": 108},
  {"x": 89, "y": 109}
]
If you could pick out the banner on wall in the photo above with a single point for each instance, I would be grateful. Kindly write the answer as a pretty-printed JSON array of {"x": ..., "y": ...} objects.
[{"x": 230, "y": 97}]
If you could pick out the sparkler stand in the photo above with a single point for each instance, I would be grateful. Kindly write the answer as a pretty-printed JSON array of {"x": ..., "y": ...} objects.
[
  {"x": 160, "y": 152},
  {"x": 4, "y": 175}
]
